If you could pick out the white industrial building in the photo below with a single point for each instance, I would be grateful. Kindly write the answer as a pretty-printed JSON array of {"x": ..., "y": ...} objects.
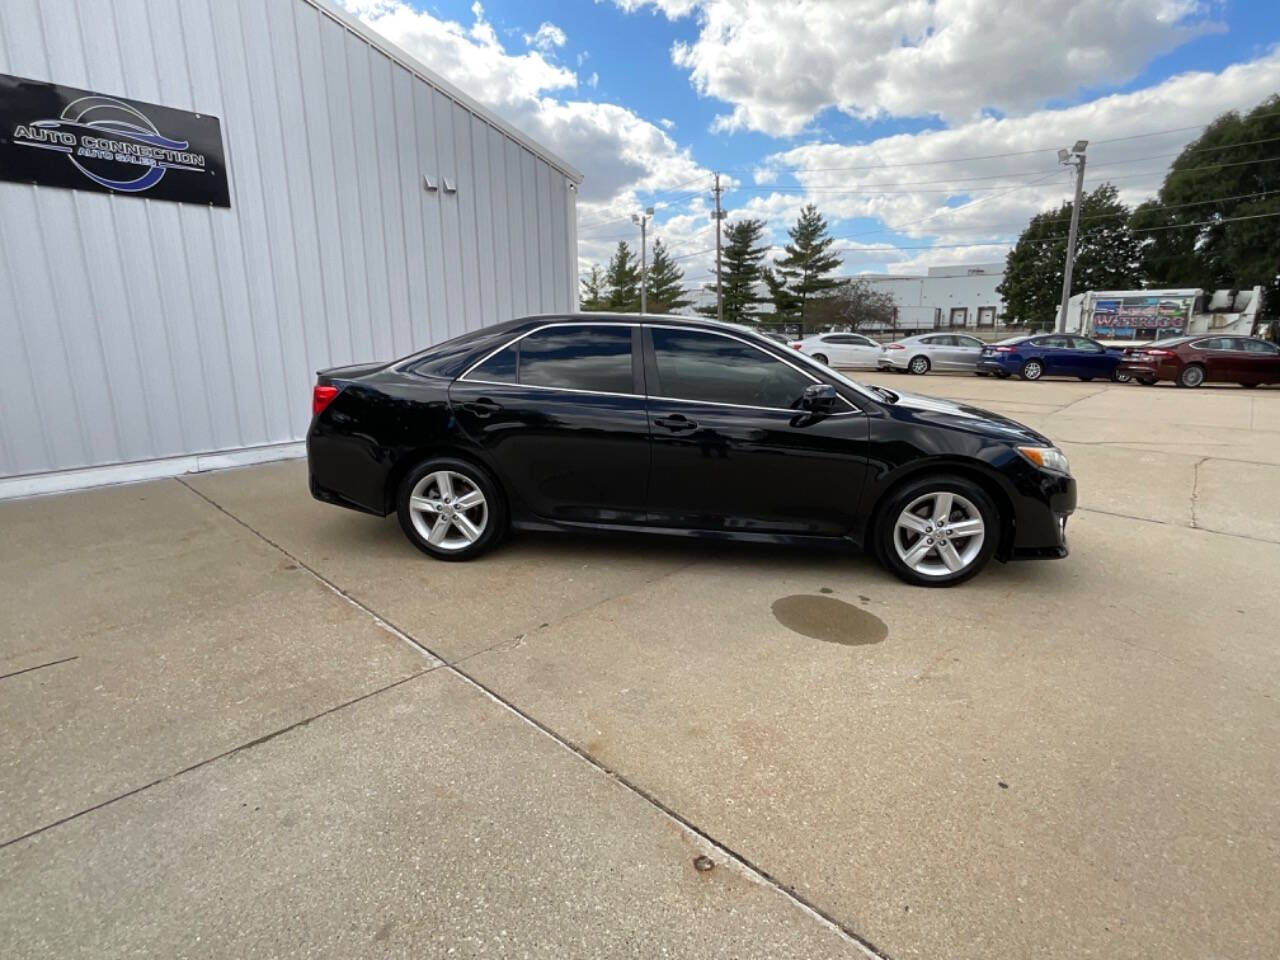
[
  {"x": 963, "y": 295},
  {"x": 202, "y": 202}
]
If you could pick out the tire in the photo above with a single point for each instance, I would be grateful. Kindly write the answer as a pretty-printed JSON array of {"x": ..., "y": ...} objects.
[
  {"x": 1118, "y": 376},
  {"x": 1032, "y": 370},
  {"x": 1248, "y": 386},
  {"x": 1086, "y": 379},
  {"x": 820, "y": 357},
  {"x": 1004, "y": 375},
  {"x": 981, "y": 373},
  {"x": 919, "y": 365},
  {"x": 1191, "y": 376},
  {"x": 1147, "y": 381},
  {"x": 895, "y": 541},
  {"x": 466, "y": 532}
]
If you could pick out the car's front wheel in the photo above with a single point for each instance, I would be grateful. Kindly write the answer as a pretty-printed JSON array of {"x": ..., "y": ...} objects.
[
  {"x": 937, "y": 531},
  {"x": 450, "y": 509},
  {"x": 1118, "y": 376}
]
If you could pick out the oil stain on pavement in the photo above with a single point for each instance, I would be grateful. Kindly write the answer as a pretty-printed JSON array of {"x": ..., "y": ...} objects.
[{"x": 829, "y": 620}]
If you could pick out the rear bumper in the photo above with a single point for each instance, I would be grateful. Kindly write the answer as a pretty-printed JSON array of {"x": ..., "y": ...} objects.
[
  {"x": 886, "y": 362},
  {"x": 1140, "y": 368},
  {"x": 988, "y": 365}
]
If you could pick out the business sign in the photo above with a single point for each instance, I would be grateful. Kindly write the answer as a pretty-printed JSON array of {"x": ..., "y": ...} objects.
[
  {"x": 1141, "y": 317},
  {"x": 59, "y": 136}
]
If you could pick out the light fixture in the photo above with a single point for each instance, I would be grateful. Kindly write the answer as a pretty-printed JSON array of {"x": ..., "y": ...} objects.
[
  {"x": 1080, "y": 146},
  {"x": 1063, "y": 155}
]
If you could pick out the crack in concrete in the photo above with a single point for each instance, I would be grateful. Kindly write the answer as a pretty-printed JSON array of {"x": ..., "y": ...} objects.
[
  {"x": 39, "y": 666},
  {"x": 751, "y": 869},
  {"x": 1195, "y": 491}
]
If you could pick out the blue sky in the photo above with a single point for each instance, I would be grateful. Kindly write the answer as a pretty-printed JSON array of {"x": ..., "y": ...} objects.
[{"x": 886, "y": 115}]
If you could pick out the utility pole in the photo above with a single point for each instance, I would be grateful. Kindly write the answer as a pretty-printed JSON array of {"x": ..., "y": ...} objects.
[
  {"x": 643, "y": 220},
  {"x": 1071, "y": 158},
  {"x": 718, "y": 216}
]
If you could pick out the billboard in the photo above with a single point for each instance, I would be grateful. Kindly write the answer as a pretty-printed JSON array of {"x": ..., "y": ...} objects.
[{"x": 1141, "y": 317}]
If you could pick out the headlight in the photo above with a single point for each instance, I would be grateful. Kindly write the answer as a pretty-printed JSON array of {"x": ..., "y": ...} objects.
[{"x": 1046, "y": 458}]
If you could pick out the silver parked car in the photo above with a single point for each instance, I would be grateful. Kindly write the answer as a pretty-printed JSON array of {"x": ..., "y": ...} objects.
[{"x": 931, "y": 351}]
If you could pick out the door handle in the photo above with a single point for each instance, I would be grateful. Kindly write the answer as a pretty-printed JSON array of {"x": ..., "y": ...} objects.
[
  {"x": 484, "y": 407},
  {"x": 676, "y": 422}
]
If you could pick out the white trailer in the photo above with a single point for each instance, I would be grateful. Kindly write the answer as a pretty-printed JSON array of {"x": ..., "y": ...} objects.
[{"x": 1122, "y": 317}]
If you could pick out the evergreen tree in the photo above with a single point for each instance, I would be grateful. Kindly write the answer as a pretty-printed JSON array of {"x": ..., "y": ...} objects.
[
  {"x": 785, "y": 304},
  {"x": 1107, "y": 257},
  {"x": 593, "y": 289},
  {"x": 740, "y": 276},
  {"x": 665, "y": 287},
  {"x": 807, "y": 269},
  {"x": 622, "y": 280}
]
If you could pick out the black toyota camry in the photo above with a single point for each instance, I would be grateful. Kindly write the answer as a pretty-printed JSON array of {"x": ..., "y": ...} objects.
[{"x": 679, "y": 426}]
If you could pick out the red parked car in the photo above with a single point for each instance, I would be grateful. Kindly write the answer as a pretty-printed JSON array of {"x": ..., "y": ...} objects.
[{"x": 1191, "y": 361}]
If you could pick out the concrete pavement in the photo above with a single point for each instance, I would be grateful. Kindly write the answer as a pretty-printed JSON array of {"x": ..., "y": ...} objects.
[{"x": 255, "y": 753}]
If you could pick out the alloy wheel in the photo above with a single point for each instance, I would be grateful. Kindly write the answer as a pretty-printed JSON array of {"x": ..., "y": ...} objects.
[
  {"x": 919, "y": 365},
  {"x": 1032, "y": 370},
  {"x": 939, "y": 534},
  {"x": 448, "y": 510},
  {"x": 1192, "y": 376}
]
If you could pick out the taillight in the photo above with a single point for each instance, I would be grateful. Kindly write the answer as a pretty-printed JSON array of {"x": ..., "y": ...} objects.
[
  {"x": 795, "y": 346},
  {"x": 321, "y": 397},
  {"x": 894, "y": 346},
  {"x": 1159, "y": 353},
  {"x": 1004, "y": 349}
]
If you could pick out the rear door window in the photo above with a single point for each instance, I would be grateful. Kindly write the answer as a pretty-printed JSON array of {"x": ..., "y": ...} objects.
[
  {"x": 592, "y": 358},
  {"x": 1259, "y": 346},
  {"x": 712, "y": 368}
]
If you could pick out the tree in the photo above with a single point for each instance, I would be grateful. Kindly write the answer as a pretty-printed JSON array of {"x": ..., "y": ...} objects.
[
  {"x": 785, "y": 304},
  {"x": 594, "y": 294},
  {"x": 665, "y": 287},
  {"x": 853, "y": 303},
  {"x": 807, "y": 269},
  {"x": 740, "y": 271},
  {"x": 1107, "y": 257},
  {"x": 622, "y": 280},
  {"x": 1224, "y": 174}
]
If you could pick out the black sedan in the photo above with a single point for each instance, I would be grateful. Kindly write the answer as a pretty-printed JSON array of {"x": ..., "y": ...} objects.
[{"x": 678, "y": 426}]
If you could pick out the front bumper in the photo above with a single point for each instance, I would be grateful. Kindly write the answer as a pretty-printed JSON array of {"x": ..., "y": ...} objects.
[{"x": 1040, "y": 530}]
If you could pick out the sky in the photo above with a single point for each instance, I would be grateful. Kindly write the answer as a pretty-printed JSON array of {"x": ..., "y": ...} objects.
[{"x": 926, "y": 131}]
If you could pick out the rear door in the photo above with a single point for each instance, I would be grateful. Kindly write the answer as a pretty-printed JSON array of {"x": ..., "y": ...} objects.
[
  {"x": 1220, "y": 361},
  {"x": 561, "y": 413},
  {"x": 733, "y": 450},
  {"x": 1056, "y": 355}
]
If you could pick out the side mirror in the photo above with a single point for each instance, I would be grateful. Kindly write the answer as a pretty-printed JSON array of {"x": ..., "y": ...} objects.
[{"x": 819, "y": 397}]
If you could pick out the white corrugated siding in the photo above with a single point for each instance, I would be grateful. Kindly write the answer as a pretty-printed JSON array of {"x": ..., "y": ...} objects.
[{"x": 136, "y": 329}]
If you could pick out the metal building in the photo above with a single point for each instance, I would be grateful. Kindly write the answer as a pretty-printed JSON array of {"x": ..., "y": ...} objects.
[{"x": 204, "y": 201}]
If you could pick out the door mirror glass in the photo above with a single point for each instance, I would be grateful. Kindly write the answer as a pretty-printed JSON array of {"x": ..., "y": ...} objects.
[{"x": 819, "y": 397}]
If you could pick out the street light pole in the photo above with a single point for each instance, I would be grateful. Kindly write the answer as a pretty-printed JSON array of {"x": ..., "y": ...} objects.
[
  {"x": 1071, "y": 158},
  {"x": 643, "y": 220},
  {"x": 718, "y": 216}
]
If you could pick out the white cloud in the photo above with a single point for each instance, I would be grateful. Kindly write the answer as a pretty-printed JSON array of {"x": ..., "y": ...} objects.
[
  {"x": 964, "y": 195},
  {"x": 779, "y": 63},
  {"x": 593, "y": 81},
  {"x": 547, "y": 37},
  {"x": 667, "y": 123},
  {"x": 624, "y": 158}
]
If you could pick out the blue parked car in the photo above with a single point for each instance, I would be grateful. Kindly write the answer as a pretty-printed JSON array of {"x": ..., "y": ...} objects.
[{"x": 1052, "y": 355}]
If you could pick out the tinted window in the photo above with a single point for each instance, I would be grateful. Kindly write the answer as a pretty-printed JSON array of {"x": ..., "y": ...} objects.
[
  {"x": 1083, "y": 343},
  {"x": 500, "y": 368},
  {"x": 969, "y": 342},
  {"x": 1060, "y": 343},
  {"x": 578, "y": 358},
  {"x": 1213, "y": 343},
  {"x": 705, "y": 366},
  {"x": 935, "y": 341},
  {"x": 1258, "y": 346}
]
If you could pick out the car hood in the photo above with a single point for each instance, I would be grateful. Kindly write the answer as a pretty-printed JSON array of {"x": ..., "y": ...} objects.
[{"x": 935, "y": 410}]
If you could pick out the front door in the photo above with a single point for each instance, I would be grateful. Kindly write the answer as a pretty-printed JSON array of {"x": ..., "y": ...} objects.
[
  {"x": 561, "y": 414},
  {"x": 733, "y": 450}
]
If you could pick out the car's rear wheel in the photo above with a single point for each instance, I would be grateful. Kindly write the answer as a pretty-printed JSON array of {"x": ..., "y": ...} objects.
[
  {"x": 1086, "y": 379},
  {"x": 1147, "y": 381},
  {"x": 1119, "y": 377},
  {"x": 937, "y": 531},
  {"x": 820, "y": 357},
  {"x": 451, "y": 509},
  {"x": 1192, "y": 375},
  {"x": 1032, "y": 370},
  {"x": 919, "y": 365},
  {"x": 1003, "y": 374},
  {"x": 1248, "y": 386},
  {"x": 981, "y": 373}
]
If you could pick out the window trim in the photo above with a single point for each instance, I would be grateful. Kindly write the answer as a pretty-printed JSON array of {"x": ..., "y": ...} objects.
[
  {"x": 465, "y": 378},
  {"x": 853, "y": 408}
]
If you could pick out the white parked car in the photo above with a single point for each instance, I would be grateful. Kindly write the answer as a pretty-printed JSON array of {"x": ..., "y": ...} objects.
[{"x": 841, "y": 349}]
